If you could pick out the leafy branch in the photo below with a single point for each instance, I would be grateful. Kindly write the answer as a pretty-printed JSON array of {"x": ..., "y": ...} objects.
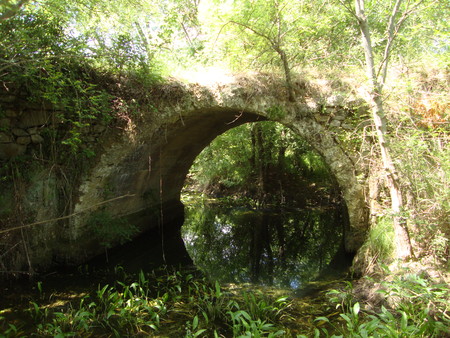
[{"x": 10, "y": 9}]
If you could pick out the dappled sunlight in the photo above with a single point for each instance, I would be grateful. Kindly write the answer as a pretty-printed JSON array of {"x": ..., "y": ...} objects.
[{"x": 207, "y": 76}]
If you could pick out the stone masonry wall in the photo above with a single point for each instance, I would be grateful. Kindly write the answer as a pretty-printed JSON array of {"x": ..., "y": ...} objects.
[
  {"x": 158, "y": 147},
  {"x": 21, "y": 123}
]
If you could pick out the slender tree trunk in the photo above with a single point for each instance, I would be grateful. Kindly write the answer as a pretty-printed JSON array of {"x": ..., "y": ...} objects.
[
  {"x": 287, "y": 73},
  {"x": 257, "y": 161},
  {"x": 145, "y": 40},
  {"x": 403, "y": 244},
  {"x": 261, "y": 162}
]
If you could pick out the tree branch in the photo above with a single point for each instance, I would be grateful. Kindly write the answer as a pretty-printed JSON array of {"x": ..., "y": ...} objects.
[
  {"x": 254, "y": 31},
  {"x": 349, "y": 9},
  {"x": 392, "y": 32},
  {"x": 65, "y": 217}
]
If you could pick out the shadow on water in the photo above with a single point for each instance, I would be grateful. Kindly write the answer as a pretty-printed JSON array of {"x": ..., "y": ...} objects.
[
  {"x": 147, "y": 252},
  {"x": 270, "y": 247}
]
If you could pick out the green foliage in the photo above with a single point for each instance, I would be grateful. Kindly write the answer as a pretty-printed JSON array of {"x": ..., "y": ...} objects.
[
  {"x": 265, "y": 308},
  {"x": 45, "y": 55},
  {"x": 110, "y": 229},
  {"x": 258, "y": 156},
  {"x": 244, "y": 325},
  {"x": 147, "y": 304},
  {"x": 424, "y": 161},
  {"x": 380, "y": 241},
  {"x": 419, "y": 311},
  {"x": 126, "y": 309},
  {"x": 152, "y": 303},
  {"x": 343, "y": 298},
  {"x": 275, "y": 112},
  {"x": 36, "y": 56}
]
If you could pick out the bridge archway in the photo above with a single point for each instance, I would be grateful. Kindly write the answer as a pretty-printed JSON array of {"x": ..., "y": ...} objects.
[{"x": 149, "y": 164}]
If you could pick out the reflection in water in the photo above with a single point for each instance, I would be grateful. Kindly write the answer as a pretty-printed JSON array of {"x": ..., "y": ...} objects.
[{"x": 266, "y": 247}]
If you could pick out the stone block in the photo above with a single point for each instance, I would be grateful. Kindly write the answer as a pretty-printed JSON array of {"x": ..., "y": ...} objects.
[
  {"x": 321, "y": 118},
  {"x": 335, "y": 100},
  {"x": 347, "y": 126},
  {"x": 335, "y": 123},
  {"x": 25, "y": 140},
  {"x": 5, "y": 123},
  {"x": 19, "y": 132},
  {"x": 5, "y": 138},
  {"x": 98, "y": 129},
  {"x": 32, "y": 131},
  {"x": 12, "y": 112},
  {"x": 34, "y": 118},
  {"x": 340, "y": 117},
  {"x": 8, "y": 98},
  {"x": 10, "y": 150},
  {"x": 36, "y": 138}
]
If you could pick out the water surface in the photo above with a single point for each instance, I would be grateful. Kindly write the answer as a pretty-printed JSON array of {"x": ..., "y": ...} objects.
[{"x": 274, "y": 247}]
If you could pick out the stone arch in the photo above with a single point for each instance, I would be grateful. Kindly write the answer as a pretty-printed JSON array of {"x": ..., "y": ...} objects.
[{"x": 149, "y": 163}]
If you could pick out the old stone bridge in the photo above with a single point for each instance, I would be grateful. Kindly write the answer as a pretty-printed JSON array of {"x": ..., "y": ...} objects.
[{"x": 140, "y": 169}]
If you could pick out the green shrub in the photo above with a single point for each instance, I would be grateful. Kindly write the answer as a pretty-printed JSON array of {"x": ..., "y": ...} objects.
[{"x": 418, "y": 309}]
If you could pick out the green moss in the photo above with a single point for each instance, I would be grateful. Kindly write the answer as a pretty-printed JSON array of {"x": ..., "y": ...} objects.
[{"x": 276, "y": 113}]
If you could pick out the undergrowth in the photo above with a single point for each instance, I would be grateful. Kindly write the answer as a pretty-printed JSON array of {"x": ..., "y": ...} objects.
[
  {"x": 174, "y": 303},
  {"x": 169, "y": 304},
  {"x": 413, "y": 306}
]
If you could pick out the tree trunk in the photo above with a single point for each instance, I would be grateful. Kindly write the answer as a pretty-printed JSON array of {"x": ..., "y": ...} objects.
[
  {"x": 403, "y": 244},
  {"x": 261, "y": 162},
  {"x": 145, "y": 41},
  {"x": 287, "y": 72}
]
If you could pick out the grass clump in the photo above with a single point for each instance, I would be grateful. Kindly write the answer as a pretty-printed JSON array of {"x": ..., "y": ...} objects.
[{"x": 380, "y": 241}]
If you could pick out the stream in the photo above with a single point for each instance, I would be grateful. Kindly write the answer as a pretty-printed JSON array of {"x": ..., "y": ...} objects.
[
  {"x": 273, "y": 246},
  {"x": 269, "y": 251}
]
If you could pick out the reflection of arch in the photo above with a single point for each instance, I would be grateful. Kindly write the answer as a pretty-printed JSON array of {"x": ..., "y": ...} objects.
[{"x": 153, "y": 163}]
